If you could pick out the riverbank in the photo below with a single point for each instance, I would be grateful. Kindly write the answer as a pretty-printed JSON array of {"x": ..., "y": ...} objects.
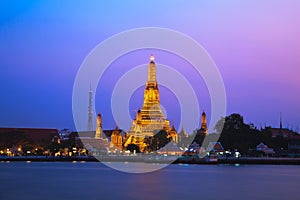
[
  {"x": 152, "y": 159},
  {"x": 260, "y": 160}
]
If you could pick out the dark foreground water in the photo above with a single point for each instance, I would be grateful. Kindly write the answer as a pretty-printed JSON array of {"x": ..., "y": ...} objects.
[{"x": 77, "y": 181}]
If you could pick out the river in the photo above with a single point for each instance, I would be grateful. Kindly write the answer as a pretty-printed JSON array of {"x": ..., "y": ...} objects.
[{"x": 92, "y": 180}]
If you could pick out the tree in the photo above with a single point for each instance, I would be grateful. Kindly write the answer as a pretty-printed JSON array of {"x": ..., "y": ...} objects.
[
  {"x": 159, "y": 140},
  {"x": 133, "y": 147},
  {"x": 219, "y": 125},
  {"x": 238, "y": 135},
  {"x": 199, "y": 137}
]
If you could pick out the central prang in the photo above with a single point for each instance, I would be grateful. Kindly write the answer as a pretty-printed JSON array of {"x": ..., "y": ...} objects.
[{"x": 150, "y": 118}]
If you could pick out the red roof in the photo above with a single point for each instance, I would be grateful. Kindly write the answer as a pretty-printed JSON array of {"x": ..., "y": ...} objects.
[{"x": 36, "y": 135}]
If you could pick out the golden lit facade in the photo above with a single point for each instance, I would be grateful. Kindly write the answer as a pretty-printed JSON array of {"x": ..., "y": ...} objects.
[
  {"x": 173, "y": 134},
  {"x": 98, "y": 127},
  {"x": 116, "y": 139},
  {"x": 150, "y": 118},
  {"x": 203, "y": 123}
]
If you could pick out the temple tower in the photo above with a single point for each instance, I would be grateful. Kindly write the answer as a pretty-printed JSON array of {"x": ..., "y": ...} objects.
[
  {"x": 150, "y": 118},
  {"x": 173, "y": 134},
  {"x": 203, "y": 123},
  {"x": 116, "y": 139},
  {"x": 98, "y": 134}
]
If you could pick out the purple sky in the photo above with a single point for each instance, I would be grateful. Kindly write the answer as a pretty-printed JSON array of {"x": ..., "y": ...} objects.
[{"x": 255, "y": 44}]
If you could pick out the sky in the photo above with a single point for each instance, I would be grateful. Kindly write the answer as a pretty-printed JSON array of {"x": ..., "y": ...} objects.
[{"x": 255, "y": 45}]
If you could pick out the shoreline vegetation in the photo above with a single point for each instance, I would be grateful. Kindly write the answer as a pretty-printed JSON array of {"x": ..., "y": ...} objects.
[
  {"x": 238, "y": 143},
  {"x": 160, "y": 160}
]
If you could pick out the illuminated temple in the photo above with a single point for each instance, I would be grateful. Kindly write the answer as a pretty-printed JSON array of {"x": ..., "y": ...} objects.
[
  {"x": 144, "y": 134},
  {"x": 150, "y": 118}
]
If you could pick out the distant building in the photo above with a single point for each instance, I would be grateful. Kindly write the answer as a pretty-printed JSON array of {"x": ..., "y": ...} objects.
[
  {"x": 294, "y": 143},
  {"x": 99, "y": 144},
  {"x": 173, "y": 135},
  {"x": 64, "y": 134},
  {"x": 194, "y": 148},
  {"x": 264, "y": 148},
  {"x": 284, "y": 132},
  {"x": 38, "y": 137},
  {"x": 170, "y": 149},
  {"x": 215, "y": 147},
  {"x": 116, "y": 139},
  {"x": 96, "y": 142},
  {"x": 183, "y": 138},
  {"x": 95, "y": 146}
]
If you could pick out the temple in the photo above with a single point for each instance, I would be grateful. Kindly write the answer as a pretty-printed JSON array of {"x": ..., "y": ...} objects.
[
  {"x": 150, "y": 118},
  {"x": 99, "y": 130},
  {"x": 204, "y": 123}
]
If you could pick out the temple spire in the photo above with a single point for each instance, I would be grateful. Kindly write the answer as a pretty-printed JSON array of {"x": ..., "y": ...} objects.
[
  {"x": 99, "y": 127},
  {"x": 151, "y": 70},
  {"x": 150, "y": 117},
  {"x": 203, "y": 123},
  {"x": 152, "y": 58}
]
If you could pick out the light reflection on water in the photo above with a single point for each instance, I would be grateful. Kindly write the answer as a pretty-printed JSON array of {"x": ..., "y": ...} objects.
[{"x": 90, "y": 180}]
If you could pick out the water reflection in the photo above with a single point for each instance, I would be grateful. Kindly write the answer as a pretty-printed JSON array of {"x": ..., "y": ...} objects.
[{"x": 88, "y": 180}]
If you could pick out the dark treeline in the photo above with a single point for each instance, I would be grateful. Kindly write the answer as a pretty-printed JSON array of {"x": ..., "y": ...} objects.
[{"x": 236, "y": 135}]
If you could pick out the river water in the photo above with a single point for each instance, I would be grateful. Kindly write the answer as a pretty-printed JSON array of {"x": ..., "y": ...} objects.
[{"x": 92, "y": 180}]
